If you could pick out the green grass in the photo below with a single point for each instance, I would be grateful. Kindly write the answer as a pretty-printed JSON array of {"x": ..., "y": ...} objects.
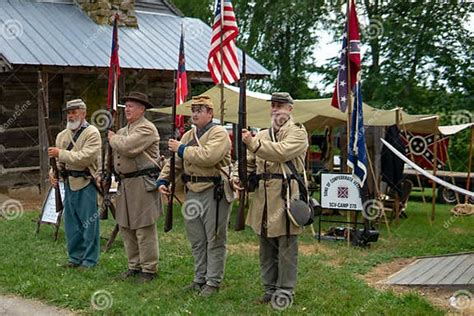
[{"x": 30, "y": 268}]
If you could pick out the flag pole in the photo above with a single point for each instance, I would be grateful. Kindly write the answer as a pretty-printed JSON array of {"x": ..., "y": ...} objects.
[
  {"x": 222, "y": 62},
  {"x": 349, "y": 96},
  {"x": 349, "y": 108}
]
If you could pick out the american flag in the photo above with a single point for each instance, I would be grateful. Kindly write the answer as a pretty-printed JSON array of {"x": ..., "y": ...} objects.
[
  {"x": 229, "y": 31},
  {"x": 341, "y": 90},
  {"x": 114, "y": 70},
  {"x": 181, "y": 82}
]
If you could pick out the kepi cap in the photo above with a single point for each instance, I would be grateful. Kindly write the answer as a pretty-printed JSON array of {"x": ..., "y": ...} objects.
[
  {"x": 202, "y": 100},
  {"x": 281, "y": 97},
  {"x": 75, "y": 104}
]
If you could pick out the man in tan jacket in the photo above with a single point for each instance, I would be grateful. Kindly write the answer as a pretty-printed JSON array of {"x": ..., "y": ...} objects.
[
  {"x": 268, "y": 153},
  {"x": 136, "y": 155},
  {"x": 203, "y": 162},
  {"x": 77, "y": 150}
]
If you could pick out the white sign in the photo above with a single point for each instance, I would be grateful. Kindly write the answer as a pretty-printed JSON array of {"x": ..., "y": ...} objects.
[
  {"x": 340, "y": 191},
  {"x": 49, "y": 206}
]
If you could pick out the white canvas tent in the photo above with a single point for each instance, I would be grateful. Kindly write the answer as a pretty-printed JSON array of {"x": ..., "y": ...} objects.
[{"x": 314, "y": 114}]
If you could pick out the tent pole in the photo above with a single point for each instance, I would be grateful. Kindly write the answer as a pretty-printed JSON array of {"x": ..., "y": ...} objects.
[
  {"x": 469, "y": 163},
  {"x": 397, "y": 196},
  {"x": 377, "y": 190},
  {"x": 435, "y": 168},
  {"x": 412, "y": 158},
  {"x": 451, "y": 169}
]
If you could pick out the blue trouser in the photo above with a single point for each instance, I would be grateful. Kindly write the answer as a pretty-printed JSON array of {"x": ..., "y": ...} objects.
[{"x": 81, "y": 223}]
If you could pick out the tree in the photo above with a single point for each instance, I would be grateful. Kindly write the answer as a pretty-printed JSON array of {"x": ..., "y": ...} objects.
[{"x": 278, "y": 33}]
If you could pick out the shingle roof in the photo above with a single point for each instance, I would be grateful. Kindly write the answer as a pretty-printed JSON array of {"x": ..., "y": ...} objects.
[{"x": 61, "y": 34}]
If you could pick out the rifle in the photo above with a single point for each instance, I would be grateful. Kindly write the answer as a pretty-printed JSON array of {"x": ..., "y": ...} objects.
[
  {"x": 106, "y": 181},
  {"x": 242, "y": 148},
  {"x": 169, "y": 207},
  {"x": 52, "y": 160}
]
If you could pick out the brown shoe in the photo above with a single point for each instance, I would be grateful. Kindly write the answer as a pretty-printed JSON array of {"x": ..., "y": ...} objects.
[
  {"x": 208, "y": 290},
  {"x": 130, "y": 273},
  {"x": 265, "y": 299},
  {"x": 70, "y": 265},
  {"x": 146, "y": 277},
  {"x": 193, "y": 287}
]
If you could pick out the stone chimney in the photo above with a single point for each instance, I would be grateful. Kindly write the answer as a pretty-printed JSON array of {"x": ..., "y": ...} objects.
[{"x": 102, "y": 11}]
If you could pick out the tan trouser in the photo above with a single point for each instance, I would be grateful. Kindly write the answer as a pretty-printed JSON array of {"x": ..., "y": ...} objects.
[{"x": 141, "y": 246}]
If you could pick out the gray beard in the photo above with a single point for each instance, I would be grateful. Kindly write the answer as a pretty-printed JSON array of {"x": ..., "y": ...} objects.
[{"x": 73, "y": 125}]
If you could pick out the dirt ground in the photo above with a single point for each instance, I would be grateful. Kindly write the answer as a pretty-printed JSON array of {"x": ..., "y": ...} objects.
[{"x": 29, "y": 198}]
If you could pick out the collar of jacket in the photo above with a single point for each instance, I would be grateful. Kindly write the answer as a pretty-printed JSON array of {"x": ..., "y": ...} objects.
[
  {"x": 202, "y": 131},
  {"x": 137, "y": 122}
]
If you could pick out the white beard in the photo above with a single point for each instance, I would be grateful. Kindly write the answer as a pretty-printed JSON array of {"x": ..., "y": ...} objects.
[{"x": 73, "y": 125}]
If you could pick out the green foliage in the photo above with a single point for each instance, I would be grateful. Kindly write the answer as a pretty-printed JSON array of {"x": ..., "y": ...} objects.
[
  {"x": 328, "y": 281},
  {"x": 419, "y": 56}
]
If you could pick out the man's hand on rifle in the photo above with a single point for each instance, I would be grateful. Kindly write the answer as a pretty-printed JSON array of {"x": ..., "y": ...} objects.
[
  {"x": 53, "y": 180},
  {"x": 53, "y": 152},
  {"x": 173, "y": 145},
  {"x": 110, "y": 134},
  {"x": 246, "y": 136},
  {"x": 236, "y": 185},
  {"x": 164, "y": 190}
]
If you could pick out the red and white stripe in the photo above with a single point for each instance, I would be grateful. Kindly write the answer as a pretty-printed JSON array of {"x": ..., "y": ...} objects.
[{"x": 230, "y": 69}]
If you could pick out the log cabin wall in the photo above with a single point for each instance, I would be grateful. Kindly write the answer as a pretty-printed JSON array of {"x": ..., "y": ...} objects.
[{"x": 19, "y": 130}]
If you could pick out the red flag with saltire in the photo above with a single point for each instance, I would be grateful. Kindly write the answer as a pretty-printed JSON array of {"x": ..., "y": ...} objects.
[
  {"x": 114, "y": 69},
  {"x": 351, "y": 43},
  {"x": 181, "y": 83}
]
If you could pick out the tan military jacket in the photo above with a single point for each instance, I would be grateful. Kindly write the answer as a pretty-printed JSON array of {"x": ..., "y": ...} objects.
[
  {"x": 266, "y": 156},
  {"x": 205, "y": 160},
  {"x": 136, "y": 147},
  {"x": 85, "y": 154}
]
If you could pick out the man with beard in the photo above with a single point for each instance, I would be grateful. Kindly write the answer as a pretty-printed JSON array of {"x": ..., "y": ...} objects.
[
  {"x": 77, "y": 150},
  {"x": 269, "y": 153},
  {"x": 136, "y": 154},
  {"x": 203, "y": 158}
]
